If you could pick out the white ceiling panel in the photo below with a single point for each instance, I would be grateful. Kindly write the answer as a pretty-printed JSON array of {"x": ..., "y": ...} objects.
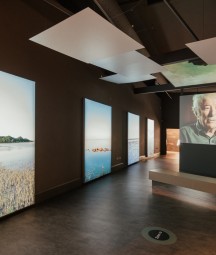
[
  {"x": 119, "y": 79},
  {"x": 86, "y": 36},
  {"x": 131, "y": 64},
  {"x": 205, "y": 49}
]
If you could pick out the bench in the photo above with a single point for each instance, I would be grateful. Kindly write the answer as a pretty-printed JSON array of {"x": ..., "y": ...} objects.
[{"x": 201, "y": 183}]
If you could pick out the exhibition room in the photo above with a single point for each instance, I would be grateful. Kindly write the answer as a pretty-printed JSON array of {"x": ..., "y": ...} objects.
[{"x": 108, "y": 127}]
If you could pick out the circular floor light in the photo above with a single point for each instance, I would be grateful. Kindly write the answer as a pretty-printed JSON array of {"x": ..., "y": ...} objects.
[{"x": 159, "y": 235}]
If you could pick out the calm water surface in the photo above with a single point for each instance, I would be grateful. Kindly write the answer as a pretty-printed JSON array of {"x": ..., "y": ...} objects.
[
  {"x": 17, "y": 156},
  {"x": 97, "y": 163}
]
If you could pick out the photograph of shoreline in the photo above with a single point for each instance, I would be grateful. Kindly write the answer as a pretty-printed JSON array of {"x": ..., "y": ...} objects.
[
  {"x": 133, "y": 138},
  {"x": 97, "y": 140},
  {"x": 17, "y": 147}
]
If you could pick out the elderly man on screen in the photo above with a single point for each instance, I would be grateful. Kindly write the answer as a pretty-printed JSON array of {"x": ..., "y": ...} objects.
[{"x": 204, "y": 130}]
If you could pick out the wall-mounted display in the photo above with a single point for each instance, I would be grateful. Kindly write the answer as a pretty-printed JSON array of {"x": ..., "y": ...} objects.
[
  {"x": 97, "y": 154},
  {"x": 198, "y": 119},
  {"x": 17, "y": 147},
  {"x": 198, "y": 134},
  {"x": 150, "y": 138},
  {"x": 133, "y": 138}
]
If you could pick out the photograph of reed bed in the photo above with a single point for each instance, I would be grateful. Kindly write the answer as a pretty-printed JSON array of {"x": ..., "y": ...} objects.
[
  {"x": 133, "y": 138},
  {"x": 17, "y": 147},
  {"x": 97, "y": 155}
]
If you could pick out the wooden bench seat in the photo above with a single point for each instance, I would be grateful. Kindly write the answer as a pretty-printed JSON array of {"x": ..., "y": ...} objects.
[{"x": 201, "y": 183}]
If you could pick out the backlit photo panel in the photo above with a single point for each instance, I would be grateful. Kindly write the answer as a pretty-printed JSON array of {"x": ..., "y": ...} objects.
[
  {"x": 150, "y": 138},
  {"x": 198, "y": 119},
  {"x": 17, "y": 146},
  {"x": 97, "y": 154},
  {"x": 133, "y": 138}
]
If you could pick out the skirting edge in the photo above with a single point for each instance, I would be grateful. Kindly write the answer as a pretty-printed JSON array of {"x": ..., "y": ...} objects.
[
  {"x": 57, "y": 190},
  {"x": 118, "y": 167}
]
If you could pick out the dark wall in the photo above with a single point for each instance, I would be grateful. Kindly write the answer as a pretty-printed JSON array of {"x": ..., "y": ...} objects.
[
  {"x": 61, "y": 85},
  {"x": 170, "y": 116}
]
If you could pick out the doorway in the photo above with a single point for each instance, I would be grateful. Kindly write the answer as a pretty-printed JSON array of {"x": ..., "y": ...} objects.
[{"x": 172, "y": 141}]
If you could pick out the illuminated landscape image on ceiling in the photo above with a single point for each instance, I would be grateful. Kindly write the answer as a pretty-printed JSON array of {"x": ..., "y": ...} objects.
[{"x": 186, "y": 74}]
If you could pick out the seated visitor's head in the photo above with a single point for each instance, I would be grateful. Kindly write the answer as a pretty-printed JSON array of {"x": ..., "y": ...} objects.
[{"x": 204, "y": 108}]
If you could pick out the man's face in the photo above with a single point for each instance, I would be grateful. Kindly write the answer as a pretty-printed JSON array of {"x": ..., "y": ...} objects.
[{"x": 207, "y": 112}]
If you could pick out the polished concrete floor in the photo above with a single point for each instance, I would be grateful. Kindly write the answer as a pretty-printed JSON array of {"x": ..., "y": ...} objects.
[{"x": 108, "y": 215}]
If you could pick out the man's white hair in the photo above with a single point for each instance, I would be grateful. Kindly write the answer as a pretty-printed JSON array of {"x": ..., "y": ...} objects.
[{"x": 197, "y": 100}]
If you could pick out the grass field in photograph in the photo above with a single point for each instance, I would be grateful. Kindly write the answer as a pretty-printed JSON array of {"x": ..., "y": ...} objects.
[{"x": 16, "y": 190}]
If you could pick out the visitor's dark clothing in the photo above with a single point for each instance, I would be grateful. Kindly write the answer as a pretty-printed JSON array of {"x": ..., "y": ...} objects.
[{"x": 194, "y": 134}]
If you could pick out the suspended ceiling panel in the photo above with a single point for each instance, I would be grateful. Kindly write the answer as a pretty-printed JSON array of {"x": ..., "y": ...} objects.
[
  {"x": 86, "y": 36},
  {"x": 205, "y": 49},
  {"x": 120, "y": 79},
  {"x": 131, "y": 64}
]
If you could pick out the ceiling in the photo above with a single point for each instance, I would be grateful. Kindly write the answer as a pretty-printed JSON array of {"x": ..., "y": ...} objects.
[
  {"x": 162, "y": 26},
  {"x": 166, "y": 26}
]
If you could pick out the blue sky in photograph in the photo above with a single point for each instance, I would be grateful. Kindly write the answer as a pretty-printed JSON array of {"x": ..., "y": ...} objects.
[
  {"x": 133, "y": 126},
  {"x": 97, "y": 120},
  {"x": 17, "y": 106}
]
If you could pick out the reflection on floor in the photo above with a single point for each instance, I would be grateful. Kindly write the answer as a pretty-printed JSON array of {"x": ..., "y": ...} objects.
[
  {"x": 172, "y": 155},
  {"x": 107, "y": 216}
]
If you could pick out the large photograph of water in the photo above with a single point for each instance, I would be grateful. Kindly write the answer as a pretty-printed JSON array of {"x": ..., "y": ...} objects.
[
  {"x": 97, "y": 155},
  {"x": 17, "y": 147},
  {"x": 133, "y": 138}
]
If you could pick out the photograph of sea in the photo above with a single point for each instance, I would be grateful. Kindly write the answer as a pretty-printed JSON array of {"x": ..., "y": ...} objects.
[
  {"x": 133, "y": 138},
  {"x": 17, "y": 146},
  {"x": 97, "y": 155}
]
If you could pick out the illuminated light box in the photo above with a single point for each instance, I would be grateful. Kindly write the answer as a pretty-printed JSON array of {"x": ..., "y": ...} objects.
[
  {"x": 133, "y": 138},
  {"x": 17, "y": 146},
  {"x": 86, "y": 36},
  {"x": 205, "y": 49},
  {"x": 185, "y": 74},
  {"x": 131, "y": 64},
  {"x": 198, "y": 134},
  {"x": 97, "y": 148},
  {"x": 150, "y": 138},
  {"x": 198, "y": 119},
  {"x": 120, "y": 79}
]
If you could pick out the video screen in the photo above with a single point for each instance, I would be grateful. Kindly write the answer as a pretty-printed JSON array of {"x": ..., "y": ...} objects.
[
  {"x": 186, "y": 73},
  {"x": 17, "y": 143},
  {"x": 198, "y": 119},
  {"x": 97, "y": 155},
  {"x": 133, "y": 138}
]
